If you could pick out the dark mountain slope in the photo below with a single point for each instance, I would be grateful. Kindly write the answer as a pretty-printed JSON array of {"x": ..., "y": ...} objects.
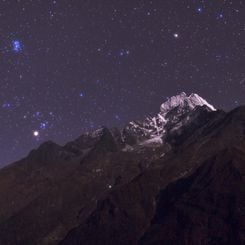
[
  {"x": 48, "y": 193},
  {"x": 182, "y": 197},
  {"x": 207, "y": 207}
]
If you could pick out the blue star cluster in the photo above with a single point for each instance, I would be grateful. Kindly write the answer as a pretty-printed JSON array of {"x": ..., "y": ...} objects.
[
  {"x": 70, "y": 66},
  {"x": 16, "y": 46}
]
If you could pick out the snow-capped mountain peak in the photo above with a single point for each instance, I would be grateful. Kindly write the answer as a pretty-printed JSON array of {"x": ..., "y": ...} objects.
[
  {"x": 176, "y": 112},
  {"x": 183, "y": 100}
]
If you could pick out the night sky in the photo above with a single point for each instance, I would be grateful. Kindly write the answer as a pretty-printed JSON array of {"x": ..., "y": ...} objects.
[{"x": 70, "y": 66}]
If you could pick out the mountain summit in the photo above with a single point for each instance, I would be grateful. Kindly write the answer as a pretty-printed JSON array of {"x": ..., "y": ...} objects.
[
  {"x": 182, "y": 100},
  {"x": 175, "y": 178},
  {"x": 174, "y": 114}
]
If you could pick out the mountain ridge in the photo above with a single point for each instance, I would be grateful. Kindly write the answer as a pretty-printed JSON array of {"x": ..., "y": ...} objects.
[{"x": 111, "y": 186}]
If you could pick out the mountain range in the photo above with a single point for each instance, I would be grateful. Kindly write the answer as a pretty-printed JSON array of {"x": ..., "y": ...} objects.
[{"x": 175, "y": 178}]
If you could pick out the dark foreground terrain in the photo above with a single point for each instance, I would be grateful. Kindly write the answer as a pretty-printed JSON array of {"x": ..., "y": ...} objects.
[{"x": 181, "y": 183}]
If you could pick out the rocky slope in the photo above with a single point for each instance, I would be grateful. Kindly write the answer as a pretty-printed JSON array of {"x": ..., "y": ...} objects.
[{"x": 177, "y": 178}]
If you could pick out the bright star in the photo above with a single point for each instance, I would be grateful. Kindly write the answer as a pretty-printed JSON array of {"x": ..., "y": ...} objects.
[
  {"x": 176, "y": 35},
  {"x": 200, "y": 10},
  {"x": 35, "y": 133}
]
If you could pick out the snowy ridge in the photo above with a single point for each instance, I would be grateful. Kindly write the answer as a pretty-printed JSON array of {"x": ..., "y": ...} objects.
[
  {"x": 174, "y": 113},
  {"x": 183, "y": 100},
  {"x": 97, "y": 133}
]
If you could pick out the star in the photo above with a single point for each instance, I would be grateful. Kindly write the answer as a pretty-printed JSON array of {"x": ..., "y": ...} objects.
[
  {"x": 16, "y": 46},
  {"x": 36, "y": 114},
  {"x": 124, "y": 52},
  {"x": 43, "y": 125},
  {"x": 200, "y": 10},
  {"x": 117, "y": 117},
  {"x": 220, "y": 16},
  {"x": 176, "y": 35},
  {"x": 6, "y": 105},
  {"x": 35, "y": 133}
]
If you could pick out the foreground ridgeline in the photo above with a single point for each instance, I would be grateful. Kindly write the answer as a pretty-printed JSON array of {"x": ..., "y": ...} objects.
[{"x": 176, "y": 178}]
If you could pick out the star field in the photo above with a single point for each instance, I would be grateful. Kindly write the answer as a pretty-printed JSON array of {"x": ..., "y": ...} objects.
[{"x": 70, "y": 66}]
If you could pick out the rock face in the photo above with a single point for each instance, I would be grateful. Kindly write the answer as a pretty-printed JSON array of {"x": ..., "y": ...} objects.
[
  {"x": 206, "y": 207},
  {"x": 177, "y": 178}
]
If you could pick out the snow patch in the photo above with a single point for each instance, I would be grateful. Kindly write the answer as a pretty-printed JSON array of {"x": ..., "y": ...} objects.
[{"x": 153, "y": 141}]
